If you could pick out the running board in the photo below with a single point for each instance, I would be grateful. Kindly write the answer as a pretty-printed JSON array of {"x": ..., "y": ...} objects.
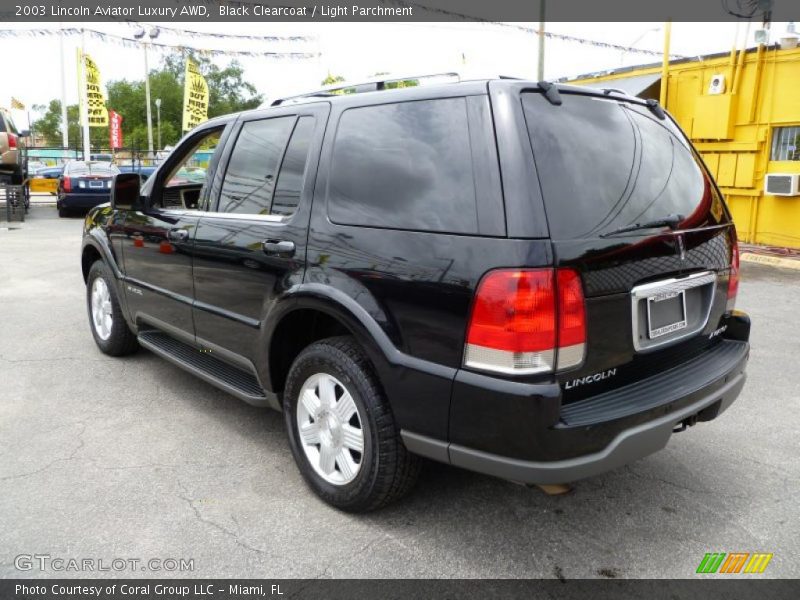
[{"x": 218, "y": 373}]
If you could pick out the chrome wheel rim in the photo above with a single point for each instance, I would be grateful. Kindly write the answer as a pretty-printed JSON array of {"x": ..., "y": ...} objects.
[
  {"x": 330, "y": 429},
  {"x": 102, "y": 314}
]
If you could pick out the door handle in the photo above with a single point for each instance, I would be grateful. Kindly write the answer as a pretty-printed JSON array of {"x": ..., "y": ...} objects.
[
  {"x": 278, "y": 248},
  {"x": 178, "y": 235}
]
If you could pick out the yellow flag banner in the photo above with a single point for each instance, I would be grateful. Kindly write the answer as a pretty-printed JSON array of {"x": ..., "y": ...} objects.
[
  {"x": 96, "y": 109},
  {"x": 195, "y": 97}
]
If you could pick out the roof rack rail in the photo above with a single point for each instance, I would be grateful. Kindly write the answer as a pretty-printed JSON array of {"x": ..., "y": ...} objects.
[
  {"x": 655, "y": 108},
  {"x": 370, "y": 85},
  {"x": 550, "y": 92}
]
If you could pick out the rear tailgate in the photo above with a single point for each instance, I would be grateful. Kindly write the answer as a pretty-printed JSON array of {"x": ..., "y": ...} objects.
[{"x": 654, "y": 296}]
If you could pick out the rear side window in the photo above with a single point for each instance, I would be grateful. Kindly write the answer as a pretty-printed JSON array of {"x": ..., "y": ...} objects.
[
  {"x": 605, "y": 164},
  {"x": 404, "y": 166},
  {"x": 293, "y": 168},
  {"x": 6, "y": 123},
  {"x": 253, "y": 166}
]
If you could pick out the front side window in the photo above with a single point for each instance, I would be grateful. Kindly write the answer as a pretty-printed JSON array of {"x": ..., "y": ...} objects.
[
  {"x": 785, "y": 143},
  {"x": 192, "y": 168},
  {"x": 404, "y": 166},
  {"x": 253, "y": 167},
  {"x": 183, "y": 184}
]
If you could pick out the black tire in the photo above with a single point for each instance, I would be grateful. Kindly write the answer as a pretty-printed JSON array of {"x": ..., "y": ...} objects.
[
  {"x": 62, "y": 212},
  {"x": 387, "y": 470},
  {"x": 121, "y": 340}
]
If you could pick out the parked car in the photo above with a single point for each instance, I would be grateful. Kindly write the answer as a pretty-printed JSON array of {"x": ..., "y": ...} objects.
[
  {"x": 84, "y": 184},
  {"x": 49, "y": 172},
  {"x": 34, "y": 166},
  {"x": 532, "y": 281},
  {"x": 53, "y": 173},
  {"x": 11, "y": 150},
  {"x": 143, "y": 171}
]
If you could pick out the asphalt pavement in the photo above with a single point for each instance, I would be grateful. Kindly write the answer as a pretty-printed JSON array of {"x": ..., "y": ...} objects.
[{"x": 104, "y": 458}]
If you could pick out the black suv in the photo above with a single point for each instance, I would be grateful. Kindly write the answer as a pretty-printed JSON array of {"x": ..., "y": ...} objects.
[{"x": 528, "y": 280}]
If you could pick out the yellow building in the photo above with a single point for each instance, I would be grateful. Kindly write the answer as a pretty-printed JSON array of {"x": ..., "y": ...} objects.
[{"x": 742, "y": 112}]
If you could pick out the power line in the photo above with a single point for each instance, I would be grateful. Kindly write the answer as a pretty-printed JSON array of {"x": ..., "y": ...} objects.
[
  {"x": 129, "y": 43},
  {"x": 257, "y": 38}
]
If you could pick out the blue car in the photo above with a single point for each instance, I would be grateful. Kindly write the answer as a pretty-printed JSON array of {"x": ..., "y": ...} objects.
[
  {"x": 143, "y": 171},
  {"x": 84, "y": 184}
]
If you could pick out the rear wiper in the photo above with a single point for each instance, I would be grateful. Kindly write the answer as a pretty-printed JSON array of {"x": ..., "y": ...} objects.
[{"x": 671, "y": 221}]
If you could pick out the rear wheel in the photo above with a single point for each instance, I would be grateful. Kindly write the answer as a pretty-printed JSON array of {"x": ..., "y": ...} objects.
[
  {"x": 62, "y": 212},
  {"x": 109, "y": 329},
  {"x": 341, "y": 430}
]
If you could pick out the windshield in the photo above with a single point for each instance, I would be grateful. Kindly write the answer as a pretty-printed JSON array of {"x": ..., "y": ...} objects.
[{"x": 604, "y": 164}]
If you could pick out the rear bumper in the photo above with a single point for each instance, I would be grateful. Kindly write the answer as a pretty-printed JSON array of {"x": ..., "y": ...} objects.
[
  {"x": 630, "y": 445},
  {"x": 81, "y": 200},
  {"x": 10, "y": 158},
  {"x": 600, "y": 433}
]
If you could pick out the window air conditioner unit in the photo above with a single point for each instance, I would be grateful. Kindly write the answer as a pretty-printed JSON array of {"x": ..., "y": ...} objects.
[
  {"x": 717, "y": 85},
  {"x": 782, "y": 184}
]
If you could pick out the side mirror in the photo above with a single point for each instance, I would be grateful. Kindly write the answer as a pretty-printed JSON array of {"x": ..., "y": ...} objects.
[
  {"x": 25, "y": 133},
  {"x": 125, "y": 191}
]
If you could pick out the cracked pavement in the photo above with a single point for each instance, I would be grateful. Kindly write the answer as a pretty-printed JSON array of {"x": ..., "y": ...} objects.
[{"x": 133, "y": 458}]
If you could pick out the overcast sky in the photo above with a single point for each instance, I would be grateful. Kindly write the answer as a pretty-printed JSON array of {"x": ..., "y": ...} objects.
[{"x": 357, "y": 51}]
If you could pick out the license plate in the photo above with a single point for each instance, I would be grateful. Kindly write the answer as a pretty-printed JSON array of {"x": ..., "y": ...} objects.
[
  {"x": 666, "y": 313},
  {"x": 97, "y": 184}
]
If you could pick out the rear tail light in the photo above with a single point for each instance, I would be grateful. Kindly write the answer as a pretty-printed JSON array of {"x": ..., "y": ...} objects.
[
  {"x": 521, "y": 318},
  {"x": 571, "y": 319},
  {"x": 67, "y": 184},
  {"x": 12, "y": 140},
  {"x": 733, "y": 279}
]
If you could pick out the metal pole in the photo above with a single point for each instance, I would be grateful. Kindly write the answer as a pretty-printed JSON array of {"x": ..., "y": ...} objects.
[
  {"x": 158, "y": 120},
  {"x": 64, "y": 123},
  {"x": 540, "y": 70},
  {"x": 147, "y": 100},
  {"x": 84, "y": 110},
  {"x": 665, "y": 64}
]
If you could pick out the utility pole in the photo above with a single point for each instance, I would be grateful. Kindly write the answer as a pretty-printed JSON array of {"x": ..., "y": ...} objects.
[
  {"x": 139, "y": 35},
  {"x": 158, "y": 120},
  {"x": 147, "y": 101},
  {"x": 540, "y": 71},
  {"x": 84, "y": 100},
  {"x": 64, "y": 123},
  {"x": 665, "y": 64}
]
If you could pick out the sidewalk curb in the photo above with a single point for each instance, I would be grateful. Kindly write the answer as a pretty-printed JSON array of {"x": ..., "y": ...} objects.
[{"x": 773, "y": 261}]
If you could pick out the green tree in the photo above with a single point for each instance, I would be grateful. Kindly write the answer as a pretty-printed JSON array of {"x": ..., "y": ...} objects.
[
  {"x": 331, "y": 79},
  {"x": 393, "y": 85},
  {"x": 228, "y": 92},
  {"x": 49, "y": 126}
]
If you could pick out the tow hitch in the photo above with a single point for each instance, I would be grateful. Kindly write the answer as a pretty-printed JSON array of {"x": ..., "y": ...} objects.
[{"x": 687, "y": 422}]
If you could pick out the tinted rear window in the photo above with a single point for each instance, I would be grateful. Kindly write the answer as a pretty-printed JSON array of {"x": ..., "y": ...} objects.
[
  {"x": 80, "y": 169},
  {"x": 404, "y": 166},
  {"x": 605, "y": 164},
  {"x": 290, "y": 179}
]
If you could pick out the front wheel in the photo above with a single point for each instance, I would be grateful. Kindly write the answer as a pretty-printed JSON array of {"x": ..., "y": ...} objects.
[
  {"x": 109, "y": 329},
  {"x": 341, "y": 429}
]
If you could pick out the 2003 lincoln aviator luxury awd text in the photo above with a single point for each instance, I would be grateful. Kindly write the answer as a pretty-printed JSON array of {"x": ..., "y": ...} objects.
[{"x": 529, "y": 280}]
